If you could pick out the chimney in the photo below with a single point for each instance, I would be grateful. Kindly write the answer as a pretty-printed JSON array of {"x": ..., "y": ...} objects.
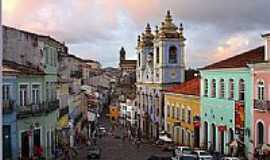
[{"x": 266, "y": 46}]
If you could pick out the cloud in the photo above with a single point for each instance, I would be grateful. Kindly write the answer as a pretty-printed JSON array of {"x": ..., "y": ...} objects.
[{"x": 98, "y": 28}]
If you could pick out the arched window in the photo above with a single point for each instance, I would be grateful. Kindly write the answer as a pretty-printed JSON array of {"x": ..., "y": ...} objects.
[
  {"x": 157, "y": 55},
  {"x": 206, "y": 87},
  {"x": 231, "y": 89},
  {"x": 260, "y": 133},
  {"x": 260, "y": 87},
  {"x": 241, "y": 90},
  {"x": 213, "y": 88},
  {"x": 221, "y": 89},
  {"x": 172, "y": 55}
]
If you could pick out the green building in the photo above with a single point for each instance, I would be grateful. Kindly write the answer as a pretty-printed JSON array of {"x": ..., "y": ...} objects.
[{"x": 226, "y": 101}]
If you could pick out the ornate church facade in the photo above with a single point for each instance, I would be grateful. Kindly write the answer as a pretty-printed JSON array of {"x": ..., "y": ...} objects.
[{"x": 160, "y": 64}]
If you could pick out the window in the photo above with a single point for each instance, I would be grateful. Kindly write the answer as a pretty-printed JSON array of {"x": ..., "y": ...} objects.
[
  {"x": 36, "y": 94},
  {"x": 48, "y": 91},
  {"x": 231, "y": 89},
  {"x": 221, "y": 89},
  {"x": 172, "y": 55},
  {"x": 168, "y": 111},
  {"x": 178, "y": 114},
  {"x": 260, "y": 93},
  {"x": 173, "y": 112},
  {"x": 183, "y": 114},
  {"x": 213, "y": 88},
  {"x": 6, "y": 92},
  {"x": 157, "y": 55},
  {"x": 139, "y": 59},
  {"x": 23, "y": 95},
  {"x": 206, "y": 87},
  {"x": 241, "y": 89},
  {"x": 46, "y": 52},
  {"x": 189, "y": 116}
]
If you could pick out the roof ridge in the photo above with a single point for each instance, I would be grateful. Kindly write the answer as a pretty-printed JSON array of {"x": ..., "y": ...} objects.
[{"x": 214, "y": 65}]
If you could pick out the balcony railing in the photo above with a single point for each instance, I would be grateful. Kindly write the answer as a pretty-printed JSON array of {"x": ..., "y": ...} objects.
[
  {"x": 8, "y": 106},
  {"x": 37, "y": 109},
  {"x": 76, "y": 74},
  {"x": 262, "y": 104}
]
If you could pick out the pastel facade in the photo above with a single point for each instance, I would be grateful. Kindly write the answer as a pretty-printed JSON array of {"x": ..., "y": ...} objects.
[
  {"x": 182, "y": 113},
  {"x": 227, "y": 110},
  {"x": 160, "y": 63},
  {"x": 218, "y": 110},
  {"x": 10, "y": 149},
  {"x": 261, "y": 119}
]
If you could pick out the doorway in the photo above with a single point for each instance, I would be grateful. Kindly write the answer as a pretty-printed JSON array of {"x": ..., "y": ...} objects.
[{"x": 25, "y": 145}]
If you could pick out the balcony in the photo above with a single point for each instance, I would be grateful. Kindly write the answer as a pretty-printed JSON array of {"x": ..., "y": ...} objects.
[
  {"x": 76, "y": 74},
  {"x": 37, "y": 109},
  {"x": 262, "y": 104},
  {"x": 8, "y": 106}
]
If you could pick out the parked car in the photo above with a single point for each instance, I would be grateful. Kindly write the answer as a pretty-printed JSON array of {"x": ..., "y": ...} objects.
[
  {"x": 202, "y": 155},
  {"x": 102, "y": 131},
  {"x": 153, "y": 157},
  {"x": 230, "y": 158},
  {"x": 185, "y": 157},
  {"x": 93, "y": 152},
  {"x": 180, "y": 150}
]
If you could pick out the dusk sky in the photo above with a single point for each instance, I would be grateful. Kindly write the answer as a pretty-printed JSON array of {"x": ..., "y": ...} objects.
[{"x": 96, "y": 29}]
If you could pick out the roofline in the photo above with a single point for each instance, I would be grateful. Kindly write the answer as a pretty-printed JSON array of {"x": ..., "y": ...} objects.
[
  {"x": 205, "y": 67},
  {"x": 34, "y": 34},
  {"x": 181, "y": 94},
  {"x": 265, "y": 35}
]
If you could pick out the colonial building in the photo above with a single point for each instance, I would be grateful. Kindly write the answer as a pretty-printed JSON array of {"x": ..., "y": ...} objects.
[
  {"x": 182, "y": 112},
  {"x": 160, "y": 63},
  {"x": 234, "y": 102},
  {"x": 261, "y": 104}
]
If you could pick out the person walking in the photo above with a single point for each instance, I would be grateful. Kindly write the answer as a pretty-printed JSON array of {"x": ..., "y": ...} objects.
[{"x": 138, "y": 143}]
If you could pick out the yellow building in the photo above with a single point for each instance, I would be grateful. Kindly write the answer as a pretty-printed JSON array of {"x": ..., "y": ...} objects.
[{"x": 182, "y": 112}]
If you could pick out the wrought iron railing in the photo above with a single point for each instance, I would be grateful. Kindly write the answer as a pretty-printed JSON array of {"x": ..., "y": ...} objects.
[
  {"x": 37, "y": 109},
  {"x": 262, "y": 104}
]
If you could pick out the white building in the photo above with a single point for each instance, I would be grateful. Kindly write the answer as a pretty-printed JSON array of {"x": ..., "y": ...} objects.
[
  {"x": 161, "y": 63},
  {"x": 128, "y": 111}
]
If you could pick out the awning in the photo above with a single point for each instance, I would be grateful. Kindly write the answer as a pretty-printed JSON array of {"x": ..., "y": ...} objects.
[
  {"x": 63, "y": 122},
  {"x": 165, "y": 138}
]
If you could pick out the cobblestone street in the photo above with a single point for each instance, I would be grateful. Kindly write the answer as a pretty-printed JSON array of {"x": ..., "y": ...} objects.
[{"x": 117, "y": 149}]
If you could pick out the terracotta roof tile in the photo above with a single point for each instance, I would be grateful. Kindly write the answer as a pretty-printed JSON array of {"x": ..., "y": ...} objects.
[
  {"x": 241, "y": 60},
  {"x": 191, "y": 87}
]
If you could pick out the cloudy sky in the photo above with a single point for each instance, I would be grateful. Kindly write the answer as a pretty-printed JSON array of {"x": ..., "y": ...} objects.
[{"x": 96, "y": 29}]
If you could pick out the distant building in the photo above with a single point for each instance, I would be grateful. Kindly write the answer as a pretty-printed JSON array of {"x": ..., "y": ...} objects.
[{"x": 126, "y": 66}]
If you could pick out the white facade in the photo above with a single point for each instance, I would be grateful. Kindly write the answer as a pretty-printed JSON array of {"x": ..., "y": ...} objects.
[
  {"x": 161, "y": 63},
  {"x": 128, "y": 111}
]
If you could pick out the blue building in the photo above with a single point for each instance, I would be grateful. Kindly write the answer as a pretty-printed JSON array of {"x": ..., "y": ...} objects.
[{"x": 10, "y": 150}]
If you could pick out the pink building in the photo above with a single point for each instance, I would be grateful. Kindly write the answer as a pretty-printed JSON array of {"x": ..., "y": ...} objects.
[
  {"x": 261, "y": 116},
  {"x": 261, "y": 96}
]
